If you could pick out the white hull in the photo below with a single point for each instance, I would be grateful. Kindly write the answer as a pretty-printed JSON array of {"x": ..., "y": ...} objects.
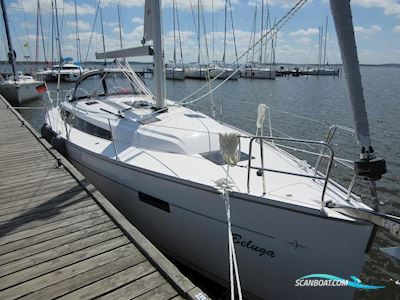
[
  {"x": 53, "y": 76},
  {"x": 68, "y": 73},
  {"x": 21, "y": 92},
  {"x": 320, "y": 72},
  {"x": 174, "y": 74},
  {"x": 224, "y": 73},
  {"x": 194, "y": 230},
  {"x": 197, "y": 73},
  {"x": 258, "y": 73},
  {"x": 45, "y": 75}
]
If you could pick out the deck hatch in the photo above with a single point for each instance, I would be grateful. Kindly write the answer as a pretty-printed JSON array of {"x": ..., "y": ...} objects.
[{"x": 216, "y": 158}]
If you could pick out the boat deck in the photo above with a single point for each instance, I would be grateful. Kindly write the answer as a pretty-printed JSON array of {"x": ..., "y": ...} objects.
[{"x": 60, "y": 238}]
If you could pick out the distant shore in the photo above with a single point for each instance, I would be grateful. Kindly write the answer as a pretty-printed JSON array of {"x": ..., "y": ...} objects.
[{"x": 146, "y": 63}]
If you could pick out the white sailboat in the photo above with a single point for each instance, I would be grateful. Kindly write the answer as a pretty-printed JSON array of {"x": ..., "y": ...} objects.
[
  {"x": 68, "y": 72},
  {"x": 18, "y": 88},
  {"x": 220, "y": 70},
  {"x": 258, "y": 70},
  {"x": 159, "y": 162},
  {"x": 174, "y": 71},
  {"x": 198, "y": 70},
  {"x": 322, "y": 68}
]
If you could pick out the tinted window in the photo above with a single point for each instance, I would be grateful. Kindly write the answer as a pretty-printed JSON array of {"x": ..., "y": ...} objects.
[
  {"x": 118, "y": 84},
  {"x": 90, "y": 86},
  {"x": 87, "y": 127}
]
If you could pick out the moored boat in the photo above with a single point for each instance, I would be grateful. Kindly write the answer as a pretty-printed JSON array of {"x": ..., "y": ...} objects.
[
  {"x": 163, "y": 165},
  {"x": 18, "y": 88}
]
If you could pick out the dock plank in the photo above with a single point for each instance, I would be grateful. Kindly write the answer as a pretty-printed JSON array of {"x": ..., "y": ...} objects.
[
  {"x": 55, "y": 247},
  {"x": 136, "y": 264},
  {"x": 44, "y": 228},
  {"x": 164, "y": 291},
  {"x": 46, "y": 267},
  {"x": 112, "y": 282},
  {"x": 137, "y": 287},
  {"x": 37, "y": 237},
  {"x": 67, "y": 272}
]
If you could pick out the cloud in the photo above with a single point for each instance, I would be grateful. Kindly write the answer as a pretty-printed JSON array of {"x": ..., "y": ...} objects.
[
  {"x": 81, "y": 25},
  {"x": 27, "y": 25},
  {"x": 137, "y": 20},
  {"x": 30, "y": 6},
  {"x": 207, "y": 5},
  {"x": 281, "y": 3},
  {"x": 365, "y": 33},
  {"x": 127, "y": 3},
  {"x": 390, "y": 7},
  {"x": 111, "y": 24},
  {"x": 304, "y": 40},
  {"x": 396, "y": 29},
  {"x": 304, "y": 32}
]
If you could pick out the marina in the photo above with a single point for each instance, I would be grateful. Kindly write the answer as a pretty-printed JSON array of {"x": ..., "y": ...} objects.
[{"x": 59, "y": 237}]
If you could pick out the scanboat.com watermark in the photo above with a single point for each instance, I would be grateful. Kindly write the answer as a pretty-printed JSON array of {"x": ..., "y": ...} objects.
[{"x": 326, "y": 280}]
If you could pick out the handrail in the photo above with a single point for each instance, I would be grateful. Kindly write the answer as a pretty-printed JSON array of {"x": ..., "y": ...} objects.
[
  {"x": 261, "y": 170},
  {"x": 329, "y": 137}
]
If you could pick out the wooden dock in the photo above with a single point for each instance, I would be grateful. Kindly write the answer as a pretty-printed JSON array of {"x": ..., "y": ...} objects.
[{"x": 60, "y": 238}]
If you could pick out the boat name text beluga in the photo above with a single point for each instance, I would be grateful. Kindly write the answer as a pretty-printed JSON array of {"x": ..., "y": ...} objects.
[{"x": 237, "y": 239}]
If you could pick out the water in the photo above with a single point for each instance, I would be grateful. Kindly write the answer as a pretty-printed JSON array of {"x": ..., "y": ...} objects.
[{"x": 323, "y": 99}]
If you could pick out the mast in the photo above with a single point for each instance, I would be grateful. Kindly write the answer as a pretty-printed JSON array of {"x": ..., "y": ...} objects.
[
  {"x": 173, "y": 17},
  {"x": 213, "y": 29},
  {"x": 41, "y": 29},
  {"x": 37, "y": 32},
  {"x": 226, "y": 8},
  {"x": 120, "y": 27},
  {"x": 102, "y": 34},
  {"x": 52, "y": 32},
  {"x": 368, "y": 167},
  {"x": 233, "y": 33},
  {"x": 179, "y": 36},
  {"x": 326, "y": 34},
  {"x": 268, "y": 25},
  {"x": 158, "y": 53},
  {"x": 11, "y": 52},
  {"x": 254, "y": 33},
  {"x": 198, "y": 31},
  {"x": 58, "y": 33},
  {"x": 262, "y": 29},
  {"x": 78, "y": 41}
]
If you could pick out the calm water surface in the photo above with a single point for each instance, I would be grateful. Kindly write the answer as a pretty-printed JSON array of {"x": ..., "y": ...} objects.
[{"x": 323, "y": 99}]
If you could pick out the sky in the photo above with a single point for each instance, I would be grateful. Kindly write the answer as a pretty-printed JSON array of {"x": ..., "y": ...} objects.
[{"x": 376, "y": 24}]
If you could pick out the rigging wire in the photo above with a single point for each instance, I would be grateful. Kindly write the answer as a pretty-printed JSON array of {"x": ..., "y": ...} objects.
[
  {"x": 93, "y": 28},
  {"x": 233, "y": 32},
  {"x": 179, "y": 32},
  {"x": 252, "y": 38}
]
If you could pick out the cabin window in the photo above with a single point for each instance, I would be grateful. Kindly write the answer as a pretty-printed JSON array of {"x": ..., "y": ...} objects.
[
  {"x": 90, "y": 86},
  {"x": 71, "y": 68},
  {"x": 87, "y": 127},
  {"x": 118, "y": 84},
  {"x": 160, "y": 204}
]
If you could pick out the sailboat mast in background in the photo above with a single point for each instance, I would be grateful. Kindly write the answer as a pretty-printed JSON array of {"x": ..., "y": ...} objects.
[
  {"x": 102, "y": 34},
  {"x": 11, "y": 52},
  {"x": 120, "y": 26},
  {"x": 78, "y": 41}
]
